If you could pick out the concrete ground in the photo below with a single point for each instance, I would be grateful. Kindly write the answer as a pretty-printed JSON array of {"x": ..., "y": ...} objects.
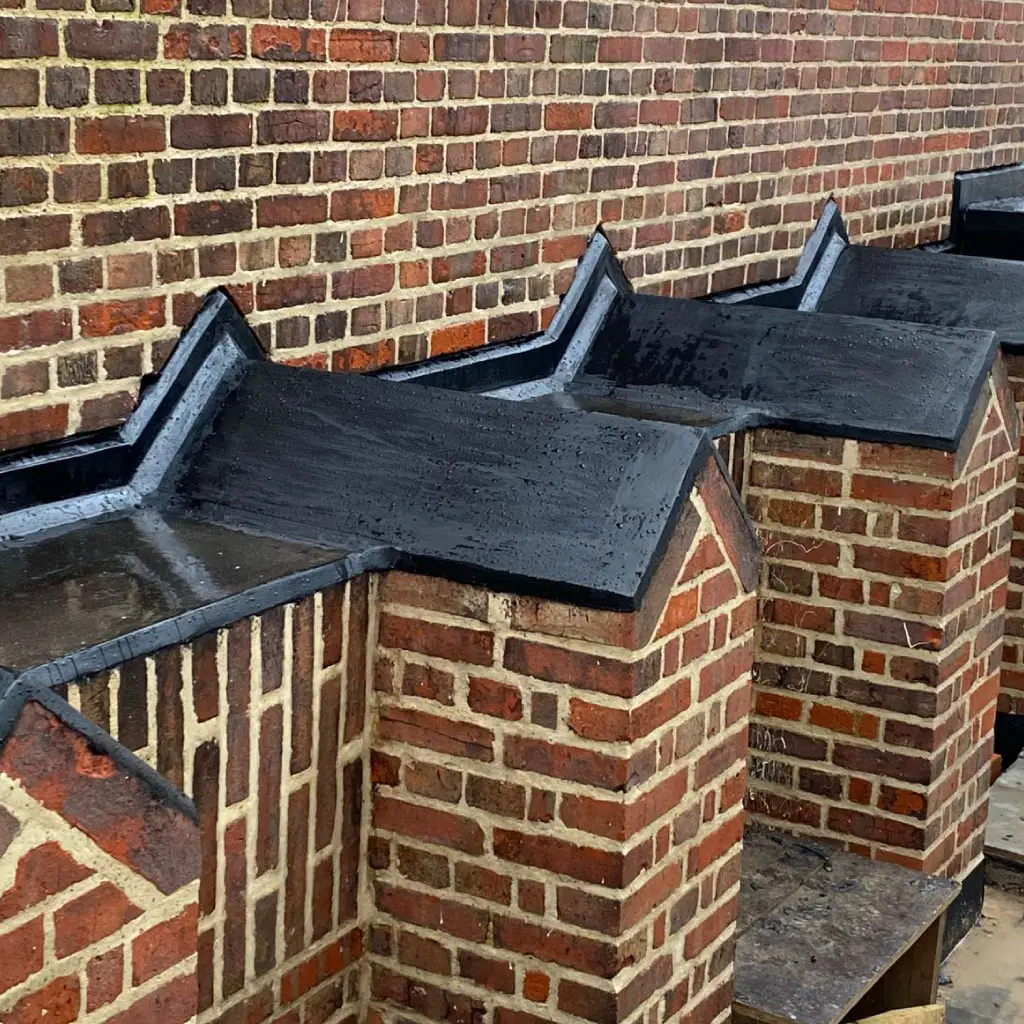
[{"x": 984, "y": 977}]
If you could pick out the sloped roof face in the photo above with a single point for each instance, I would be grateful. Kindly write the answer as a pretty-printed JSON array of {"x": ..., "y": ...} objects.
[
  {"x": 910, "y": 285},
  {"x": 748, "y": 366},
  {"x": 516, "y": 497}
]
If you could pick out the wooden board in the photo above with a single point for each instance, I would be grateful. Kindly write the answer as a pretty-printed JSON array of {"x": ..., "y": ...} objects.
[
  {"x": 1004, "y": 836},
  {"x": 819, "y": 928}
]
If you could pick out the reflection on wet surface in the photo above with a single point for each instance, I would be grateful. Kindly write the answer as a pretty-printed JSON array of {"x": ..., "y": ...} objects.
[{"x": 107, "y": 578}]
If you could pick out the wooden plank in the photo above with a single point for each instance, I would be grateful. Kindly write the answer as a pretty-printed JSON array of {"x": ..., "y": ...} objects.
[
  {"x": 1004, "y": 835},
  {"x": 819, "y": 928},
  {"x": 933, "y": 1014}
]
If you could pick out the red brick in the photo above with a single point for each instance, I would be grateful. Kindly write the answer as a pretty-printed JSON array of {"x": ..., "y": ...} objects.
[
  {"x": 105, "y": 319},
  {"x": 174, "y": 1003},
  {"x": 89, "y": 918},
  {"x": 21, "y": 953},
  {"x": 160, "y": 948},
  {"x": 118, "y": 134},
  {"x": 55, "y": 1003},
  {"x": 428, "y": 825}
]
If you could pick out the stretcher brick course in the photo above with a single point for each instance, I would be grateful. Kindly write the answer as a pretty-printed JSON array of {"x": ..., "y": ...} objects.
[{"x": 883, "y": 594}]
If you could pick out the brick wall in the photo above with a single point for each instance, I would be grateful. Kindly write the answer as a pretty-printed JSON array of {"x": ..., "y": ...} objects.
[
  {"x": 98, "y": 887},
  {"x": 557, "y": 803},
  {"x": 881, "y": 625},
  {"x": 263, "y": 725},
  {"x": 1011, "y": 691},
  {"x": 380, "y": 179}
]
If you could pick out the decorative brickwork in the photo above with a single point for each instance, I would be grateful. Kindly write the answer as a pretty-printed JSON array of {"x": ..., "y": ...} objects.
[
  {"x": 1011, "y": 692},
  {"x": 557, "y": 795},
  {"x": 883, "y": 594},
  {"x": 380, "y": 179},
  {"x": 98, "y": 887},
  {"x": 263, "y": 725}
]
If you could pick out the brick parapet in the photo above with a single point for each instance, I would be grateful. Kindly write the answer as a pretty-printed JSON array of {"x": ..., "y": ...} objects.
[
  {"x": 383, "y": 179},
  {"x": 421, "y": 798},
  {"x": 883, "y": 595},
  {"x": 557, "y": 806}
]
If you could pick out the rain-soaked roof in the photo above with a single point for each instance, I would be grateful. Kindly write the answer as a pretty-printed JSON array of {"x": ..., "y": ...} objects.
[
  {"x": 727, "y": 366},
  {"x": 240, "y": 484}
]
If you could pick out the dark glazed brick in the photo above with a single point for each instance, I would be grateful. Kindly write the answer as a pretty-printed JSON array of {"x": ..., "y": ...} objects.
[
  {"x": 215, "y": 173},
  {"x": 205, "y": 786},
  {"x": 133, "y": 705},
  {"x": 117, "y": 87},
  {"x": 255, "y": 169},
  {"x": 169, "y": 710},
  {"x": 77, "y": 369},
  {"x": 291, "y": 87},
  {"x": 33, "y": 136},
  {"x": 172, "y": 176},
  {"x": 293, "y": 168},
  {"x": 128, "y": 181},
  {"x": 251, "y": 85}
]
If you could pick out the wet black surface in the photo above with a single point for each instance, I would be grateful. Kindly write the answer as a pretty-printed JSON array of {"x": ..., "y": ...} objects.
[
  {"x": 501, "y": 493},
  {"x": 955, "y": 291},
  {"x": 113, "y": 577},
  {"x": 730, "y": 367},
  {"x": 972, "y": 188},
  {"x": 994, "y": 229}
]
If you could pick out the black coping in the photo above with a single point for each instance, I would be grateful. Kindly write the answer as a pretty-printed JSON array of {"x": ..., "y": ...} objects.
[
  {"x": 239, "y": 484},
  {"x": 981, "y": 190},
  {"x": 726, "y": 367},
  {"x": 909, "y": 285}
]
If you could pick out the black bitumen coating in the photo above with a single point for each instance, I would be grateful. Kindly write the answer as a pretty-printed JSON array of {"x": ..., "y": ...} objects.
[
  {"x": 973, "y": 188},
  {"x": 239, "y": 485},
  {"x": 503, "y": 494},
  {"x": 733, "y": 367},
  {"x": 103, "y": 578},
  {"x": 915, "y": 286}
]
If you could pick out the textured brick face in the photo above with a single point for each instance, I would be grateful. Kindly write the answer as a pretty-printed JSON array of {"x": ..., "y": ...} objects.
[
  {"x": 379, "y": 180},
  {"x": 97, "y": 886},
  {"x": 262, "y": 725},
  {"x": 1011, "y": 691},
  {"x": 557, "y": 819},
  {"x": 881, "y": 625}
]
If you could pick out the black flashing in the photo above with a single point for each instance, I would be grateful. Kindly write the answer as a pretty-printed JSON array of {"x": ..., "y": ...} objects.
[
  {"x": 518, "y": 363},
  {"x": 753, "y": 359},
  {"x": 994, "y": 229},
  {"x": 801, "y": 288},
  {"x": 49, "y": 485}
]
